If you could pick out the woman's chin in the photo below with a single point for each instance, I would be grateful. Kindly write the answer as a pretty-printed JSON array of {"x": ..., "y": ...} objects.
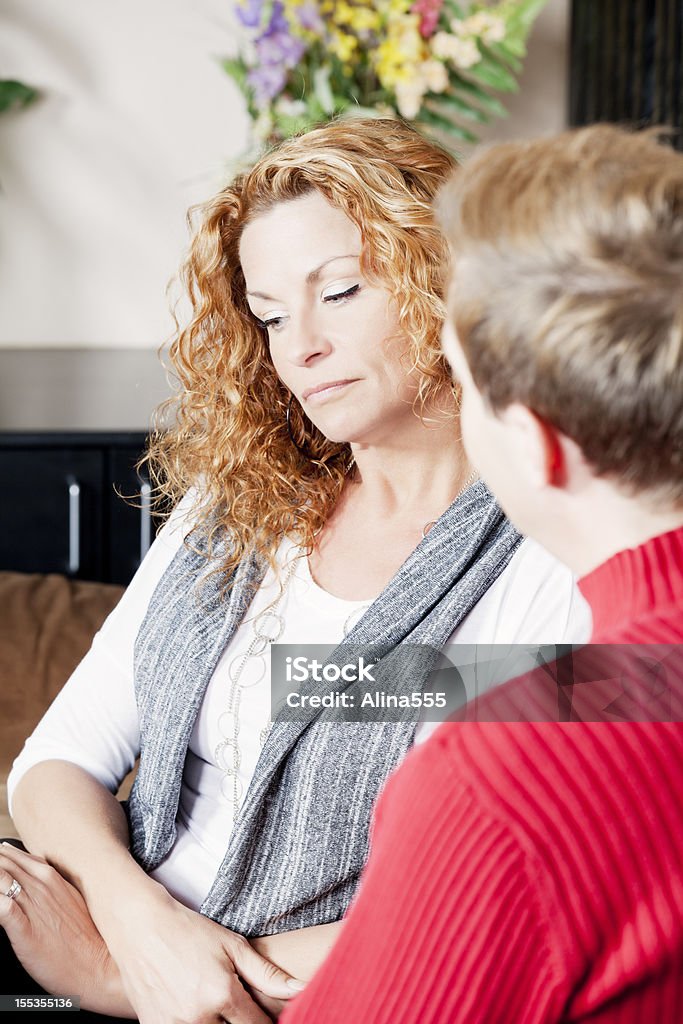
[{"x": 342, "y": 432}]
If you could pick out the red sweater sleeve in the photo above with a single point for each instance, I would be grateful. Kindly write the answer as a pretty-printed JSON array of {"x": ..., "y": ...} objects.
[{"x": 447, "y": 925}]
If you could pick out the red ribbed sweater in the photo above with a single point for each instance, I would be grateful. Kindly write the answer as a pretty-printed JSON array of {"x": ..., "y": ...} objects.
[{"x": 528, "y": 872}]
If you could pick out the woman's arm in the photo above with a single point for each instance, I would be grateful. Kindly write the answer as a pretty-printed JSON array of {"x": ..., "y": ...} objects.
[
  {"x": 61, "y": 797},
  {"x": 53, "y": 935},
  {"x": 66, "y": 816},
  {"x": 55, "y": 939},
  {"x": 299, "y": 952},
  {"x": 151, "y": 937}
]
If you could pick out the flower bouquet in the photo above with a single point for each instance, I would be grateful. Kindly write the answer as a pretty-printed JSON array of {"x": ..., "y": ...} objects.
[{"x": 437, "y": 63}]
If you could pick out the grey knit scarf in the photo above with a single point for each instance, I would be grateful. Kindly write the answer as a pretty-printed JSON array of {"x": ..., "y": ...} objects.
[{"x": 301, "y": 838}]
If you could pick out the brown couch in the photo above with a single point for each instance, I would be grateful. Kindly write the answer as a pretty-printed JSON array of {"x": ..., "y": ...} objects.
[{"x": 47, "y": 623}]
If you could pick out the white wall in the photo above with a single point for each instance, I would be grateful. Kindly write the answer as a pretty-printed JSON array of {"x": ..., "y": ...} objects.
[{"x": 138, "y": 122}]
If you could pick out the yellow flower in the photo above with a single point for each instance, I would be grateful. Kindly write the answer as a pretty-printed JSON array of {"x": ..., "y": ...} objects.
[
  {"x": 343, "y": 45},
  {"x": 409, "y": 38},
  {"x": 403, "y": 49},
  {"x": 388, "y": 62},
  {"x": 343, "y": 13},
  {"x": 393, "y": 7},
  {"x": 263, "y": 125},
  {"x": 364, "y": 19}
]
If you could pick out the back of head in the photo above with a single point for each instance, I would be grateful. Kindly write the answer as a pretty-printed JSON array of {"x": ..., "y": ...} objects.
[{"x": 567, "y": 293}]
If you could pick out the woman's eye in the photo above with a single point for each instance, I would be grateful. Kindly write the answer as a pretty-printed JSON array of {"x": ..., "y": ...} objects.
[
  {"x": 342, "y": 295},
  {"x": 275, "y": 322}
]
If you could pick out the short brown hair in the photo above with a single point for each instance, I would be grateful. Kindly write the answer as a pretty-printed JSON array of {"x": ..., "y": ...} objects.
[{"x": 567, "y": 293}]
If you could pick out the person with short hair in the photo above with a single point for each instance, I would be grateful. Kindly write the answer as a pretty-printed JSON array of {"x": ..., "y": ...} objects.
[{"x": 531, "y": 872}]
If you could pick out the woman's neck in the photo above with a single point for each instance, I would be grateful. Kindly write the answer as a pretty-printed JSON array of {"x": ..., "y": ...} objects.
[
  {"x": 396, "y": 492},
  {"x": 422, "y": 471}
]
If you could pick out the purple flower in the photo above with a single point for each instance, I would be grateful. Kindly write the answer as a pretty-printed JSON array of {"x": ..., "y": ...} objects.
[
  {"x": 279, "y": 48},
  {"x": 276, "y": 51},
  {"x": 309, "y": 17},
  {"x": 249, "y": 12},
  {"x": 267, "y": 82},
  {"x": 278, "y": 22}
]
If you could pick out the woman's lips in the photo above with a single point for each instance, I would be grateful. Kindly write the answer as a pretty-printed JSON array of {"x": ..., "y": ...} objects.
[{"x": 320, "y": 393}]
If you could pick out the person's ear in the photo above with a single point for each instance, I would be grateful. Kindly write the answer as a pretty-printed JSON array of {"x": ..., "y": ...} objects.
[{"x": 541, "y": 455}]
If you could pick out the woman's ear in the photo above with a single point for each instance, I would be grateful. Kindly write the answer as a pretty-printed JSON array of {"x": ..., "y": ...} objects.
[{"x": 541, "y": 457}]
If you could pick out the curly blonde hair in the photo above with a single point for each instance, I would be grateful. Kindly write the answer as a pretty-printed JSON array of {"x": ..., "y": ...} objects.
[{"x": 227, "y": 426}]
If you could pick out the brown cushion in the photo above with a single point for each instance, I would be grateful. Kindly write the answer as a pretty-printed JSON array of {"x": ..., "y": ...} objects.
[{"x": 47, "y": 623}]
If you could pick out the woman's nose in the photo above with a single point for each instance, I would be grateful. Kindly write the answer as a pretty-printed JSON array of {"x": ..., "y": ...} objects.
[{"x": 309, "y": 341}]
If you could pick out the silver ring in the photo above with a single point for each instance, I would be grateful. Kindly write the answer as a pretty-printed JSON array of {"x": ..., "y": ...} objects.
[{"x": 13, "y": 890}]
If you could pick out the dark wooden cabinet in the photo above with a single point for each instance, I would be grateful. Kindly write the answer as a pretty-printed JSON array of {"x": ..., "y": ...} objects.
[{"x": 63, "y": 504}]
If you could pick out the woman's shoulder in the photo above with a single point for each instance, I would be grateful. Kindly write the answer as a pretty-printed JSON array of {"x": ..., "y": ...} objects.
[
  {"x": 556, "y": 611},
  {"x": 533, "y": 570},
  {"x": 533, "y": 557},
  {"x": 183, "y": 517},
  {"x": 535, "y": 599}
]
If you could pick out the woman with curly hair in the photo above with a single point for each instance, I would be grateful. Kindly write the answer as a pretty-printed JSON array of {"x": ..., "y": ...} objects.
[{"x": 322, "y": 495}]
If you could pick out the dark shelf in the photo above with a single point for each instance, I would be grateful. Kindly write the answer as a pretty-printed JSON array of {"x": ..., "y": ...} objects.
[{"x": 60, "y": 504}]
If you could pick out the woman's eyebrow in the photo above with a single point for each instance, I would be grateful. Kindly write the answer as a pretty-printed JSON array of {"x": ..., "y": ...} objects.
[{"x": 311, "y": 276}]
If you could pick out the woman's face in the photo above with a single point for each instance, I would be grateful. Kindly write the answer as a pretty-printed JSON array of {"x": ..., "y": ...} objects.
[{"x": 334, "y": 338}]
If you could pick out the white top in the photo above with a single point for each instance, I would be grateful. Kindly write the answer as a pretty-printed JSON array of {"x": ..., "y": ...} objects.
[{"x": 93, "y": 721}]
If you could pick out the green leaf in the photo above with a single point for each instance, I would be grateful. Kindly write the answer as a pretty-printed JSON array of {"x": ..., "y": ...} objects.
[
  {"x": 430, "y": 117},
  {"x": 520, "y": 19},
  {"x": 522, "y": 15},
  {"x": 288, "y": 125},
  {"x": 490, "y": 72},
  {"x": 460, "y": 106},
  {"x": 502, "y": 53},
  {"x": 315, "y": 111},
  {"x": 491, "y": 104},
  {"x": 455, "y": 9},
  {"x": 237, "y": 70},
  {"x": 15, "y": 94},
  {"x": 512, "y": 47}
]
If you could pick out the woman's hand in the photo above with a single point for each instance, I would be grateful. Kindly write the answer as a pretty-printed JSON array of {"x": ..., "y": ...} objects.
[
  {"x": 178, "y": 967},
  {"x": 54, "y": 937}
]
